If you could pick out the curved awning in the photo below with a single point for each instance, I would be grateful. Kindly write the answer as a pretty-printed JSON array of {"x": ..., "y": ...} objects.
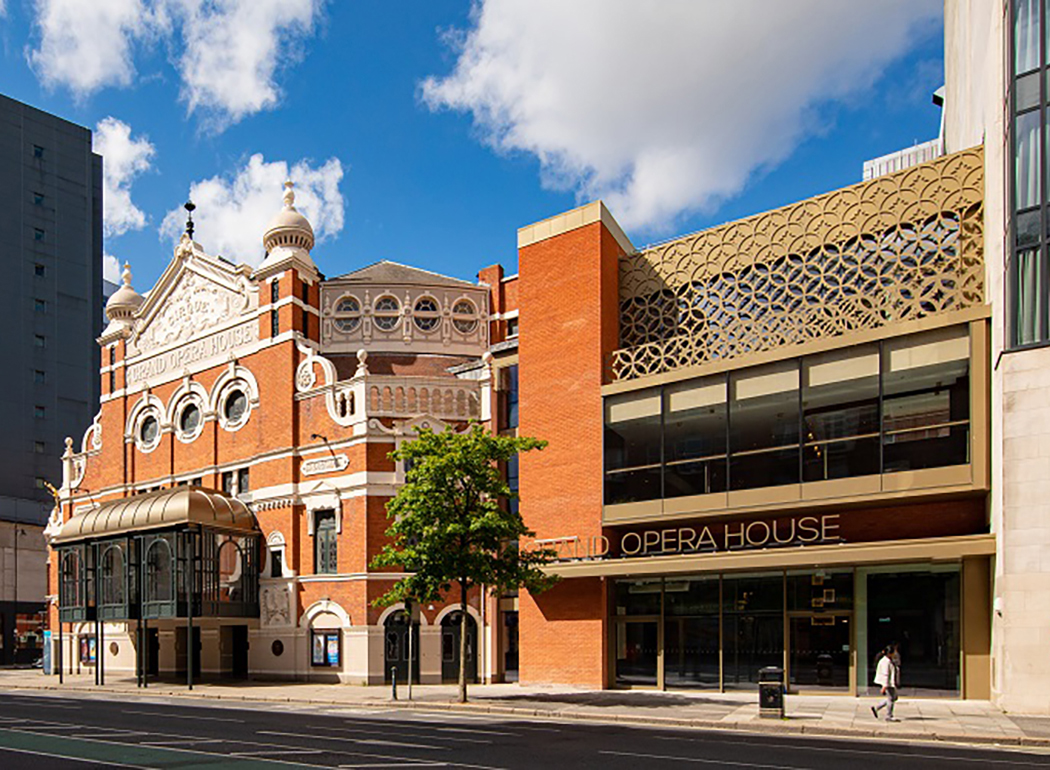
[{"x": 154, "y": 510}]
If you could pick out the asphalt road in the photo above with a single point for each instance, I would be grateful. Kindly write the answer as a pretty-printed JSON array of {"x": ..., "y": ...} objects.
[{"x": 40, "y": 731}]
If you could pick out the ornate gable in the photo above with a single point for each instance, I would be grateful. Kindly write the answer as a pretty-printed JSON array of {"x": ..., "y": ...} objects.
[{"x": 195, "y": 295}]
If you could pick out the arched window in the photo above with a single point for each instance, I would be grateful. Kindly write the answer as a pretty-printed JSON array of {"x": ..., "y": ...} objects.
[
  {"x": 386, "y": 313},
  {"x": 230, "y": 566},
  {"x": 347, "y": 314},
  {"x": 69, "y": 586},
  {"x": 426, "y": 314},
  {"x": 464, "y": 317},
  {"x": 159, "y": 572},
  {"x": 111, "y": 586}
]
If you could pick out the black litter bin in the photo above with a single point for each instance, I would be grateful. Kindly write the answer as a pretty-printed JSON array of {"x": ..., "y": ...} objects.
[{"x": 771, "y": 692}]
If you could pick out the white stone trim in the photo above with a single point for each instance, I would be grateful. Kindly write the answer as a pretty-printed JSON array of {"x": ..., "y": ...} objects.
[
  {"x": 400, "y": 606},
  {"x": 455, "y": 608},
  {"x": 324, "y": 606}
]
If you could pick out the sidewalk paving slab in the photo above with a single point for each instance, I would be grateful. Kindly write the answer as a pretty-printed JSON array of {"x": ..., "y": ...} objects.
[{"x": 928, "y": 719}]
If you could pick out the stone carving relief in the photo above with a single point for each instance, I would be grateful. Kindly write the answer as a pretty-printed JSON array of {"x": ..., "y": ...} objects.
[
  {"x": 275, "y": 606},
  {"x": 194, "y": 305},
  {"x": 92, "y": 440}
]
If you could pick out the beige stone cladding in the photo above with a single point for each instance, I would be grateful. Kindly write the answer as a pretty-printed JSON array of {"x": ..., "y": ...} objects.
[{"x": 976, "y": 36}]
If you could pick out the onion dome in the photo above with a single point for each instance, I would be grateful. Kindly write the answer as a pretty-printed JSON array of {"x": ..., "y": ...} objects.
[
  {"x": 289, "y": 228},
  {"x": 125, "y": 300}
]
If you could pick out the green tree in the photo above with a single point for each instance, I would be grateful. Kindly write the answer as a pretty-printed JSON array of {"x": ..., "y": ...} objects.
[{"x": 450, "y": 528}]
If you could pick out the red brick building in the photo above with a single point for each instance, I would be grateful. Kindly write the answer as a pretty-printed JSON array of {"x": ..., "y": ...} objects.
[{"x": 232, "y": 487}]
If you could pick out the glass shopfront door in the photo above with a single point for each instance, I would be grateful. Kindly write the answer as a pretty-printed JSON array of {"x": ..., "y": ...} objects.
[
  {"x": 637, "y": 653},
  {"x": 819, "y": 651}
]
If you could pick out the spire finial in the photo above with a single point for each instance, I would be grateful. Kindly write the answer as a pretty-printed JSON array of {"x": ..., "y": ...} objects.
[
  {"x": 190, "y": 207},
  {"x": 289, "y": 194},
  {"x": 126, "y": 275}
]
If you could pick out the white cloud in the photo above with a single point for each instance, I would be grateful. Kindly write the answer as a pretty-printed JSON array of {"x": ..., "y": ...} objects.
[
  {"x": 233, "y": 212},
  {"x": 87, "y": 45},
  {"x": 123, "y": 158},
  {"x": 111, "y": 268},
  {"x": 230, "y": 51},
  {"x": 665, "y": 106},
  {"x": 233, "y": 49}
]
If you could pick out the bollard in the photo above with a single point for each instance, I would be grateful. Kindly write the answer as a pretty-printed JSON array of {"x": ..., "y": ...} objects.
[{"x": 393, "y": 682}]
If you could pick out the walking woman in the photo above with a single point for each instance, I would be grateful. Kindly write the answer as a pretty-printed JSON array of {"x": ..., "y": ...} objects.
[{"x": 888, "y": 678}]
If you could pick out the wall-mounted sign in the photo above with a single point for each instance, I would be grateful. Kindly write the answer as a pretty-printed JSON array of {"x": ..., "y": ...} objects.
[
  {"x": 173, "y": 362},
  {"x": 327, "y": 464},
  {"x": 712, "y": 538}
]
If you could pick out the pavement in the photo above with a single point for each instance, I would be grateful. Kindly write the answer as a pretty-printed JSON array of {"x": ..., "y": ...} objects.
[{"x": 921, "y": 719}]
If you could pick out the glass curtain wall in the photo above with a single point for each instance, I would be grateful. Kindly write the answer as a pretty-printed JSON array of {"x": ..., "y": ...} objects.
[
  {"x": 899, "y": 405},
  {"x": 1029, "y": 129},
  {"x": 718, "y": 631}
]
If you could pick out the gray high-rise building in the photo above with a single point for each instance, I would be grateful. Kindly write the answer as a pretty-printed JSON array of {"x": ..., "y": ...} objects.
[{"x": 50, "y": 314}]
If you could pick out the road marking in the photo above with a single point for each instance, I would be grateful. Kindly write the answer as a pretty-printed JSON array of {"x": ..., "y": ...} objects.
[
  {"x": 72, "y": 759},
  {"x": 411, "y": 764},
  {"x": 879, "y": 752},
  {"x": 365, "y": 741},
  {"x": 698, "y": 760},
  {"x": 373, "y": 731},
  {"x": 274, "y": 751},
  {"x": 182, "y": 716},
  {"x": 188, "y": 741}
]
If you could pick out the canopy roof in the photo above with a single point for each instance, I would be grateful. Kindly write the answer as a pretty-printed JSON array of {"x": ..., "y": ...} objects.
[{"x": 154, "y": 510}]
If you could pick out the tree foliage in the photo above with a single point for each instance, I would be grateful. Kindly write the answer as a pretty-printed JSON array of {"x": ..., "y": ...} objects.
[{"x": 450, "y": 524}]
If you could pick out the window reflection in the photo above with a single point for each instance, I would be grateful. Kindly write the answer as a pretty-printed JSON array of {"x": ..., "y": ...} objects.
[{"x": 900, "y": 405}]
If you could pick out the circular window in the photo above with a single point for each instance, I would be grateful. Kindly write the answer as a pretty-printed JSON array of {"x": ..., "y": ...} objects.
[
  {"x": 236, "y": 406},
  {"x": 347, "y": 314},
  {"x": 149, "y": 429},
  {"x": 190, "y": 420},
  {"x": 386, "y": 311},
  {"x": 464, "y": 317},
  {"x": 277, "y": 648},
  {"x": 425, "y": 314}
]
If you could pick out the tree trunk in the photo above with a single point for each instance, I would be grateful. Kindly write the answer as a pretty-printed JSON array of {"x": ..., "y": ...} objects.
[{"x": 463, "y": 641}]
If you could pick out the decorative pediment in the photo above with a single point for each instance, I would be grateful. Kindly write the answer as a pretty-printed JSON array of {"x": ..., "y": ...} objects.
[{"x": 196, "y": 294}]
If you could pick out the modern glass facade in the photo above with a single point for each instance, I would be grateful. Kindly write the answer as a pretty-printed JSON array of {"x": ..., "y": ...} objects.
[
  {"x": 1028, "y": 135},
  {"x": 716, "y": 631},
  {"x": 902, "y": 404}
]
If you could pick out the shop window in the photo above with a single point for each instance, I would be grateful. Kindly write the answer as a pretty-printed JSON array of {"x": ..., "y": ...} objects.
[
  {"x": 926, "y": 401},
  {"x": 695, "y": 424},
  {"x": 632, "y": 447},
  {"x": 29, "y": 636},
  {"x": 840, "y": 413},
  {"x": 326, "y": 550},
  {"x": 764, "y": 439},
  {"x": 325, "y": 648}
]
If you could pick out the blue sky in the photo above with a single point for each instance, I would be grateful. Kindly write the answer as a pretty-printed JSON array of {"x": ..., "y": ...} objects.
[{"x": 427, "y": 133}]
